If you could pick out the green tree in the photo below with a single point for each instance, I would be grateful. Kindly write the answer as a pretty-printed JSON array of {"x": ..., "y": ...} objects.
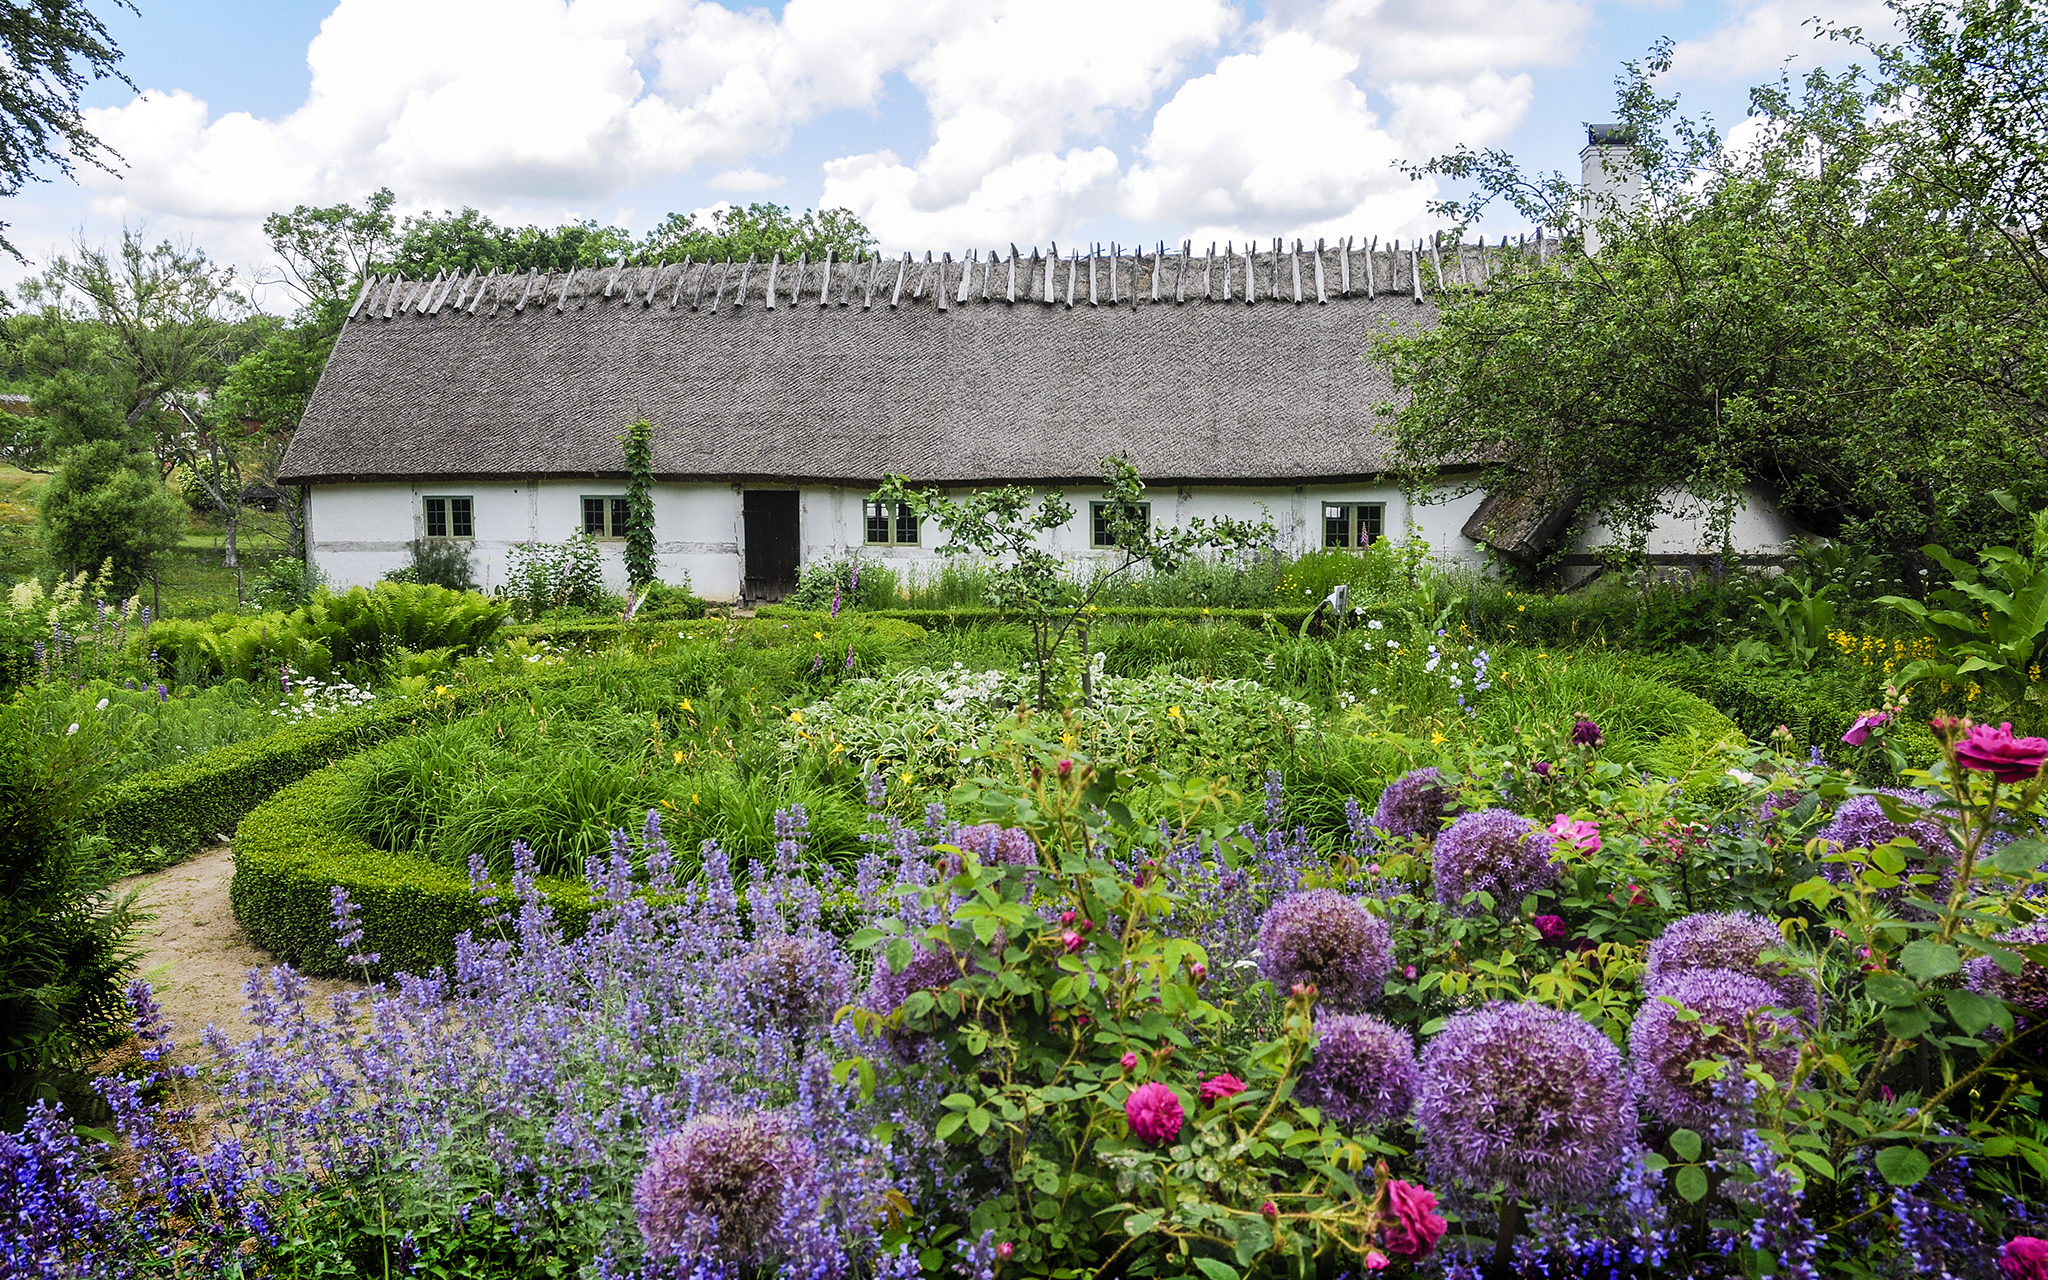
[
  {"x": 49, "y": 51},
  {"x": 472, "y": 241},
  {"x": 326, "y": 251},
  {"x": 106, "y": 503},
  {"x": 1813, "y": 313},
  {"x": 757, "y": 231},
  {"x": 639, "y": 450}
]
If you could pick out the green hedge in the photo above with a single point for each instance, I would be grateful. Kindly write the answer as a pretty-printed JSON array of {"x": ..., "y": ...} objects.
[
  {"x": 290, "y": 852},
  {"x": 155, "y": 819},
  {"x": 1289, "y": 618},
  {"x": 1817, "y": 708}
]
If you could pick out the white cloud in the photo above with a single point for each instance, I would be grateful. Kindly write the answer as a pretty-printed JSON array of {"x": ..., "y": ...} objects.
[
  {"x": 1029, "y": 200},
  {"x": 1762, "y": 34},
  {"x": 745, "y": 180}
]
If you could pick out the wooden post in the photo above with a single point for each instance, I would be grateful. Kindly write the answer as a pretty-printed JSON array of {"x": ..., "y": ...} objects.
[
  {"x": 1073, "y": 275},
  {"x": 902, "y": 270},
  {"x": 967, "y": 274},
  {"x": 1052, "y": 256},
  {"x": 1010, "y": 289},
  {"x": 527, "y": 292},
  {"x": 391, "y": 294},
  {"x": 1370, "y": 250},
  {"x": 1321, "y": 298},
  {"x": 988, "y": 273},
  {"x": 1113, "y": 255},
  {"x": 454, "y": 278},
  {"x": 825, "y": 284},
  {"x": 1251, "y": 275},
  {"x": 874, "y": 270},
  {"x": 774, "y": 272},
  {"x": 369, "y": 283},
  {"x": 1294, "y": 261},
  {"x": 1093, "y": 250},
  {"x": 1208, "y": 271},
  {"x": 939, "y": 294},
  {"x": 718, "y": 294},
  {"x": 739, "y": 295},
  {"x": 1344, "y": 268},
  {"x": 1180, "y": 272}
]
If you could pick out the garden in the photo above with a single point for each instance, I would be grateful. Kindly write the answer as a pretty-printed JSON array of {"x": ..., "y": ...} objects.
[{"x": 989, "y": 924}]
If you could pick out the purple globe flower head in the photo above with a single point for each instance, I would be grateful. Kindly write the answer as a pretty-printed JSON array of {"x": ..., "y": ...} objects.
[
  {"x": 1585, "y": 733},
  {"x": 1526, "y": 1098},
  {"x": 1732, "y": 940},
  {"x": 720, "y": 1184},
  {"x": 997, "y": 845},
  {"x": 1362, "y": 1072},
  {"x": 1497, "y": 851},
  {"x": 928, "y": 970},
  {"x": 1732, "y": 1024},
  {"x": 1322, "y": 936},
  {"x": 1414, "y": 804},
  {"x": 1777, "y": 804},
  {"x": 1860, "y": 823},
  {"x": 788, "y": 981},
  {"x": 2026, "y": 991}
]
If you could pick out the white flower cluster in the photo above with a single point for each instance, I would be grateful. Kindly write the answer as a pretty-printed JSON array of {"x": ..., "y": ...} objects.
[{"x": 312, "y": 698}]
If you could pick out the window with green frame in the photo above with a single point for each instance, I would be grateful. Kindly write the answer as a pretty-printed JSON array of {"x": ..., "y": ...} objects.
[
  {"x": 1353, "y": 524},
  {"x": 891, "y": 524},
  {"x": 449, "y": 517},
  {"x": 604, "y": 515},
  {"x": 1099, "y": 514}
]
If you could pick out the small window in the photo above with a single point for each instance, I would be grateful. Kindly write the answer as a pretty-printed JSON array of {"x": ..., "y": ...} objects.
[
  {"x": 605, "y": 517},
  {"x": 450, "y": 517},
  {"x": 1352, "y": 524},
  {"x": 1100, "y": 515},
  {"x": 892, "y": 523}
]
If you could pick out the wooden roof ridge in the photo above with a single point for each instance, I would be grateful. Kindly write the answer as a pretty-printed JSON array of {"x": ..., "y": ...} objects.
[{"x": 1325, "y": 273}]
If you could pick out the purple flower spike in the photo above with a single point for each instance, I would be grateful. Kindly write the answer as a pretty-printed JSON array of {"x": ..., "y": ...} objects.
[
  {"x": 1322, "y": 937},
  {"x": 1526, "y": 1098}
]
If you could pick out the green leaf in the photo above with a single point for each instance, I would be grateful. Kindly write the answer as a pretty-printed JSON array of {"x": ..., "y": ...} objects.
[
  {"x": 1972, "y": 1012},
  {"x": 2018, "y": 858},
  {"x": 1686, "y": 1143},
  {"x": 1691, "y": 1183},
  {"x": 1889, "y": 988},
  {"x": 897, "y": 953},
  {"x": 1928, "y": 959},
  {"x": 1139, "y": 1224},
  {"x": 1902, "y": 1166},
  {"x": 1908, "y": 1024},
  {"x": 1216, "y": 1270}
]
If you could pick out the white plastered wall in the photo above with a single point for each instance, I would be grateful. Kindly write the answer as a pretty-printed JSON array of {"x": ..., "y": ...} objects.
[{"x": 1684, "y": 527}]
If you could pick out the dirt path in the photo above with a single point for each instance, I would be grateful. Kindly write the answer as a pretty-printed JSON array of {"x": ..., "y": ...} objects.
[{"x": 194, "y": 953}]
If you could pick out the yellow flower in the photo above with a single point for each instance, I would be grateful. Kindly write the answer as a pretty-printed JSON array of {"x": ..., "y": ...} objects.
[
  {"x": 679, "y": 757},
  {"x": 817, "y": 635},
  {"x": 688, "y": 707},
  {"x": 796, "y": 717},
  {"x": 906, "y": 778},
  {"x": 440, "y": 689},
  {"x": 1435, "y": 737},
  {"x": 693, "y": 797},
  {"x": 1174, "y": 712},
  {"x": 1521, "y": 608},
  {"x": 668, "y": 804}
]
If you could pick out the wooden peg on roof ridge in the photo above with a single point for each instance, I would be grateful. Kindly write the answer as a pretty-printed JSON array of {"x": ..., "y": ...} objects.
[
  {"x": 627, "y": 297},
  {"x": 739, "y": 293},
  {"x": 703, "y": 277},
  {"x": 1052, "y": 256},
  {"x": 1180, "y": 273},
  {"x": 1208, "y": 271},
  {"x": 369, "y": 283},
  {"x": 874, "y": 271},
  {"x": 391, "y": 292},
  {"x": 1229, "y": 252},
  {"x": 988, "y": 274},
  {"x": 825, "y": 279},
  {"x": 1073, "y": 275},
  {"x": 1294, "y": 262},
  {"x": 967, "y": 275},
  {"x": 1251, "y": 273},
  {"x": 902, "y": 270},
  {"x": 1371, "y": 249},
  {"x": 939, "y": 293},
  {"x": 774, "y": 279},
  {"x": 1113, "y": 255},
  {"x": 1093, "y": 253},
  {"x": 417, "y": 304},
  {"x": 1010, "y": 285},
  {"x": 1415, "y": 269},
  {"x": 1344, "y": 268},
  {"x": 718, "y": 294},
  {"x": 615, "y": 276},
  {"x": 1321, "y": 298}
]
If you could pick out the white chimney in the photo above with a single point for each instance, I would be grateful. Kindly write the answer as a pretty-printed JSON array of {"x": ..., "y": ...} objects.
[{"x": 1611, "y": 183}]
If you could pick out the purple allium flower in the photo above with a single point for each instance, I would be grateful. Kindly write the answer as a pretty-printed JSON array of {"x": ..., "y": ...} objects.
[
  {"x": 721, "y": 1181},
  {"x": 2026, "y": 991},
  {"x": 1528, "y": 1098},
  {"x": 1413, "y": 804},
  {"x": 1361, "y": 1073},
  {"x": 1776, "y": 804},
  {"x": 996, "y": 845},
  {"x": 1323, "y": 937},
  {"x": 1585, "y": 733},
  {"x": 1732, "y": 940},
  {"x": 928, "y": 970},
  {"x": 1497, "y": 851},
  {"x": 1860, "y": 823},
  {"x": 1663, "y": 1046},
  {"x": 789, "y": 981}
]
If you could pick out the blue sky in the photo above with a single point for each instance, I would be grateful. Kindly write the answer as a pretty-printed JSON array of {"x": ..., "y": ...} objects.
[{"x": 947, "y": 124}]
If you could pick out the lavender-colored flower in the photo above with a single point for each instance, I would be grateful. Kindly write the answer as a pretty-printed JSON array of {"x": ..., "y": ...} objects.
[
  {"x": 995, "y": 844},
  {"x": 1414, "y": 804},
  {"x": 721, "y": 1181},
  {"x": 789, "y": 981},
  {"x": 1732, "y": 1024},
  {"x": 2026, "y": 991},
  {"x": 1860, "y": 823},
  {"x": 1324, "y": 937},
  {"x": 1362, "y": 1072},
  {"x": 1733, "y": 940},
  {"x": 928, "y": 970},
  {"x": 1527, "y": 1098},
  {"x": 1495, "y": 851}
]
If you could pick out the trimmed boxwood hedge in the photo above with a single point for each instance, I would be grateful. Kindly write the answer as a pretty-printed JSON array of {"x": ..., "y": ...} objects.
[
  {"x": 164, "y": 816},
  {"x": 1289, "y": 618},
  {"x": 289, "y": 855}
]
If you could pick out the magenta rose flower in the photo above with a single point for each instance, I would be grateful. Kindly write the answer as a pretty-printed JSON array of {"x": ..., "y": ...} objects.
[
  {"x": 2004, "y": 757},
  {"x": 1551, "y": 927},
  {"x": 2024, "y": 1258},
  {"x": 1413, "y": 1226},
  {"x": 1155, "y": 1114},
  {"x": 1221, "y": 1087},
  {"x": 1585, "y": 733},
  {"x": 1859, "y": 733}
]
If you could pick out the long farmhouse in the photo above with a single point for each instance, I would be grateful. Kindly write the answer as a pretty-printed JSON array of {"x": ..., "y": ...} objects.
[{"x": 490, "y": 409}]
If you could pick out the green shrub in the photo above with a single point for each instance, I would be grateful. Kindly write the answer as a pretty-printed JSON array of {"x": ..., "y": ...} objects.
[
  {"x": 361, "y": 627},
  {"x": 542, "y": 577},
  {"x": 834, "y": 580},
  {"x": 291, "y": 851},
  {"x": 437, "y": 563}
]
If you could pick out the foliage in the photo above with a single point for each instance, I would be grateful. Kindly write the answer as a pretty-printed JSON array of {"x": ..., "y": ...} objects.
[
  {"x": 53, "y": 50},
  {"x": 437, "y": 562},
  {"x": 64, "y": 950},
  {"x": 828, "y": 586},
  {"x": 287, "y": 582},
  {"x": 1802, "y": 618},
  {"x": 107, "y": 506},
  {"x": 760, "y": 231},
  {"x": 472, "y": 241},
  {"x": 1880, "y": 370},
  {"x": 541, "y": 577},
  {"x": 1000, "y": 528},
  {"x": 1989, "y": 627},
  {"x": 639, "y": 455}
]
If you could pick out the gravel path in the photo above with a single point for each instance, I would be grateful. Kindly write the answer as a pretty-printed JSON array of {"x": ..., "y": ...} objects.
[{"x": 194, "y": 953}]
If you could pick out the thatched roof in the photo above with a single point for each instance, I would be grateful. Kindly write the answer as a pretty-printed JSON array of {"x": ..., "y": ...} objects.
[{"x": 847, "y": 371}]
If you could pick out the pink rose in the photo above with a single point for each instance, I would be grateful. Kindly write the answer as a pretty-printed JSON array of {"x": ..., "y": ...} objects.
[
  {"x": 2024, "y": 1258},
  {"x": 1859, "y": 733},
  {"x": 1414, "y": 1226},
  {"x": 1579, "y": 835},
  {"x": 1071, "y": 940},
  {"x": 1377, "y": 1261},
  {"x": 1006, "y": 1250},
  {"x": 1155, "y": 1114},
  {"x": 1129, "y": 1060},
  {"x": 1551, "y": 927},
  {"x": 1221, "y": 1087},
  {"x": 2004, "y": 757}
]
